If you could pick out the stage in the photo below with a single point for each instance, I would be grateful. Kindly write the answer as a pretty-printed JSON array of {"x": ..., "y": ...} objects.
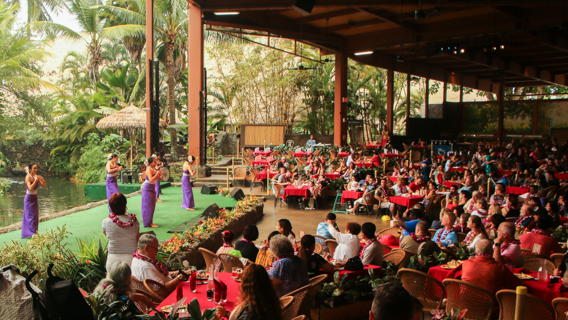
[
  {"x": 168, "y": 215},
  {"x": 97, "y": 191}
]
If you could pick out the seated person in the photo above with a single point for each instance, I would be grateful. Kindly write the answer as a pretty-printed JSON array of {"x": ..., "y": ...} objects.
[
  {"x": 322, "y": 229},
  {"x": 246, "y": 245},
  {"x": 348, "y": 244},
  {"x": 462, "y": 224},
  {"x": 354, "y": 185},
  {"x": 116, "y": 286},
  {"x": 372, "y": 251},
  {"x": 382, "y": 193},
  {"x": 412, "y": 241},
  {"x": 446, "y": 236},
  {"x": 409, "y": 227},
  {"x": 228, "y": 237},
  {"x": 471, "y": 204},
  {"x": 476, "y": 234},
  {"x": 481, "y": 209},
  {"x": 400, "y": 188},
  {"x": 146, "y": 266},
  {"x": 507, "y": 249},
  {"x": 485, "y": 272},
  {"x": 369, "y": 188},
  {"x": 392, "y": 301},
  {"x": 416, "y": 185},
  {"x": 437, "y": 224},
  {"x": 525, "y": 219},
  {"x": 313, "y": 261},
  {"x": 289, "y": 272},
  {"x": 511, "y": 206},
  {"x": 538, "y": 240},
  {"x": 492, "y": 224}
]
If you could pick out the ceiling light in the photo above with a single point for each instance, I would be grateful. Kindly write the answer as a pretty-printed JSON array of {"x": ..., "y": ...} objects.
[
  {"x": 462, "y": 50},
  {"x": 455, "y": 52},
  {"x": 400, "y": 58},
  {"x": 363, "y": 53},
  {"x": 226, "y": 13},
  {"x": 502, "y": 47},
  {"x": 494, "y": 48},
  {"x": 419, "y": 14}
]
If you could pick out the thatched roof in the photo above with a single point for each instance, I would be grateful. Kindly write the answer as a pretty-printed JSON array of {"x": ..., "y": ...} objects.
[{"x": 130, "y": 117}]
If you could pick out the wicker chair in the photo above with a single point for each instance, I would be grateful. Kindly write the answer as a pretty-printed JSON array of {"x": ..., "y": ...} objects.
[
  {"x": 406, "y": 260},
  {"x": 429, "y": 290},
  {"x": 461, "y": 237},
  {"x": 528, "y": 254},
  {"x": 302, "y": 317},
  {"x": 156, "y": 289},
  {"x": 315, "y": 284},
  {"x": 265, "y": 257},
  {"x": 557, "y": 259},
  {"x": 208, "y": 256},
  {"x": 324, "y": 246},
  {"x": 462, "y": 295},
  {"x": 230, "y": 261},
  {"x": 533, "y": 264},
  {"x": 560, "y": 306},
  {"x": 253, "y": 173},
  {"x": 278, "y": 195},
  {"x": 432, "y": 233},
  {"x": 285, "y": 303},
  {"x": 299, "y": 295},
  {"x": 142, "y": 302},
  {"x": 393, "y": 230},
  {"x": 331, "y": 244},
  {"x": 400, "y": 258},
  {"x": 138, "y": 287},
  {"x": 318, "y": 249},
  {"x": 535, "y": 308}
]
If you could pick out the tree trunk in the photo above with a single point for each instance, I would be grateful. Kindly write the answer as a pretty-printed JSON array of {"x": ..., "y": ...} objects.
[{"x": 170, "y": 67}]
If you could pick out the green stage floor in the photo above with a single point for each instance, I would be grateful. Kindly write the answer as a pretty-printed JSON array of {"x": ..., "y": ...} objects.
[
  {"x": 168, "y": 215},
  {"x": 97, "y": 191}
]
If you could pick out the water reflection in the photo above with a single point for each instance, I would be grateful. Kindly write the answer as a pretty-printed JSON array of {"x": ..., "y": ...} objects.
[{"x": 61, "y": 194}]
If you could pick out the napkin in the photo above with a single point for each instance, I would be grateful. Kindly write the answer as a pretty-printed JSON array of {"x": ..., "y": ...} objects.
[
  {"x": 217, "y": 285},
  {"x": 193, "y": 280}
]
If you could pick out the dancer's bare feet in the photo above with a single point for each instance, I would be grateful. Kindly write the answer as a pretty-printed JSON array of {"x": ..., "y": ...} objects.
[
  {"x": 159, "y": 200},
  {"x": 154, "y": 226},
  {"x": 190, "y": 209}
]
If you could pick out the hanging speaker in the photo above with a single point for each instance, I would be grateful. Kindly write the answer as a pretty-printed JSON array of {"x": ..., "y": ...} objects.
[
  {"x": 237, "y": 194},
  {"x": 304, "y": 7},
  {"x": 208, "y": 189},
  {"x": 211, "y": 212}
]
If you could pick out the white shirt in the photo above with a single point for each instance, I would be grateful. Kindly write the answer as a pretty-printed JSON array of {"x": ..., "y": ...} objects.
[
  {"x": 121, "y": 240},
  {"x": 143, "y": 270},
  {"x": 397, "y": 190},
  {"x": 348, "y": 245},
  {"x": 480, "y": 213}
]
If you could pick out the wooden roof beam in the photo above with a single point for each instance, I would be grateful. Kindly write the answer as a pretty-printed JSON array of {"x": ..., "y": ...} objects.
[
  {"x": 326, "y": 15},
  {"x": 392, "y": 18}
]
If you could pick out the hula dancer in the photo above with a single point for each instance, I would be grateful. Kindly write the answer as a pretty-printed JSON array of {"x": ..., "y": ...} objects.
[
  {"x": 188, "y": 203},
  {"x": 111, "y": 169},
  {"x": 149, "y": 193},
  {"x": 30, "y": 218}
]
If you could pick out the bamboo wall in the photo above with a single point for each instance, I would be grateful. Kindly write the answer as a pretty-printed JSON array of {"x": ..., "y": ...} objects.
[{"x": 262, "y": 135}]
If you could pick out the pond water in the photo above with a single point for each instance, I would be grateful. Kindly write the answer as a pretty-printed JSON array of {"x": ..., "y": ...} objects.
[{"x": 61, "y": 194}]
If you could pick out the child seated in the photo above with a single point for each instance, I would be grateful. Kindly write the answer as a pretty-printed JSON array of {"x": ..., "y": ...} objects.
[{"x": 354, "y": 184}]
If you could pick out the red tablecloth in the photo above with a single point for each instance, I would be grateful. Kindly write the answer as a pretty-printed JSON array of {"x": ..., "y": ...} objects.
[
  {"x": 201, "y": 294},
  {"x": 372, "y": 146},
  {"x": 393, "y": 179},
  {"x": 260, "y": 163},
  {"x": 332, "y": 176},
  {"x": 418, "y": 147},
  {"x": 449, "y": 184},
  {"x": 261, "y": 176},
  {"x": 517, "y": 190},
  {"x": 458, "y": 169},
  {"x": 365, "y": 164},
  {"x": 563, "y": 220},
  {"x": 302, "y": 154},
  {"x": 293, "y": 191},
  {"x": 505, "y": 172},
  {"x": 390, "y": 155},
  {"x": 561, "y": 176},
  {"x": 355, "y": 274},
  {"x": 406, "y": 201},
  {"x": 350, "y": 195},
  {"x": 262, "y": 153},
  {"x": 343, "y": 154},
  {"x": 544, "y": 290}
]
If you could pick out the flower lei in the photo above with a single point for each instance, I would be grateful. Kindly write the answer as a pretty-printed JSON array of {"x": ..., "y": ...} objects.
[
  {"x": 443, "y": 235},
  {"x": 520, "y": 220},
  {"x": 160, "y": 266},
  {"x": 368, "y": 243},
  {"x": 470, "y": 236},
  {"x": 419, "y": 240},
  {"x": 121, "y": 224},
  {"x": 247, "y": 241},
  {"x": 487, "y": 255},
  {"x": 227, "y": 245},
  {"x": 537, "y": 230},
  {"x": 504, "y": 246},
  {"x": 385, "y": 193}
]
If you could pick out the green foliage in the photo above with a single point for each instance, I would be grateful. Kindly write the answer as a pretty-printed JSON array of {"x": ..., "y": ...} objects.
[
  {"x": 343, "y": 291},
  {"x": 193, "y": 308},
  {"x": 119, "y": 310},
  {"x": 4, "y": 186},
  {"x": 92, "y": 162},
  {"x": 560, "y": 234},
  {"x": 424, "y": 263}
]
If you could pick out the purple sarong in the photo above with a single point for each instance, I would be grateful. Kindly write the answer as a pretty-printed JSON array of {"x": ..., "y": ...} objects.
[
  {"x": 157, "y": 188},
  {"x": 187, "y": 191},
  {"x": 30, "y": 218},
  {"x": 148, "y": 203},
  {"x": 111, "y": 188}
]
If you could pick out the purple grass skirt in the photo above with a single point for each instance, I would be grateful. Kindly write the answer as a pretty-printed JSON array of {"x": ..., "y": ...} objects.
[
  {"x": 30, "y": 218},
  {"x": 148, "y": 203}
]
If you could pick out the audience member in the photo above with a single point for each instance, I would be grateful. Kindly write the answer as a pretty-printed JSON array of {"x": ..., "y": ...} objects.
[
  {"x": 412, "y": 241},
  {"x": 246, "y": 245},
  {"x": 313, "y": 261},
  {"x": 446, "y": 236},
  {"x": 392, "y": 301},
  {"x": 348, "y": 244},
  {"x": 372, "y": 251},
  {"x": 285, "y": 227},
  {"x": 122, "y": 230},
  {"x": 538, "y": 240},
  {"x": 507, "y": 249},
  {"x": 289, "y": 272}
]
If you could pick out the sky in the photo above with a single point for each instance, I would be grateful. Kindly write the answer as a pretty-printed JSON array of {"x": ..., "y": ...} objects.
[{"x": 63, "y": 18}]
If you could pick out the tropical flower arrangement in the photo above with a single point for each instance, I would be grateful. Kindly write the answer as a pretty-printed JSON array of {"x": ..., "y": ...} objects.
[
  {"x": 225, "y": 192},
  {"x": 454, "y": 314},
  {"x": 190, "y": 238}
]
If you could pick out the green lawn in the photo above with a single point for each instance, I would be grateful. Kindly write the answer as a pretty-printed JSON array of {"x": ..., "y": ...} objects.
[{"x": 168, "y": 214}]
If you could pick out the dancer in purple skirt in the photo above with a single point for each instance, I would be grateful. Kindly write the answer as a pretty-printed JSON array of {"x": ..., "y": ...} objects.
[
  {"x": 188, "y": 202},
  {"x": 111, "y": 169},
  {"x": 159, "y": 167},
  {"x": 149, "y": 193},
  {"x": 31, "y": 209}
]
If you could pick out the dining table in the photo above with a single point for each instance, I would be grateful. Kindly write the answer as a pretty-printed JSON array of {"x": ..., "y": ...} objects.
[
  {"x": 517, "y": 190},
  {"x": 406, "y": 201},
  {"x": 260, "y": 162},
  {"x": 458, "y": 169},
  {"x": 293, "y": 191},
  {"x": 561, "y": 176},
  {"x": 449, "y": 184},
  {"x": 201, "y": 294},
  {"x": 302, "y": 154},
  {"x": 391, "y": 155},
  {"x": 332, "y": 176},
  {"x": 364, "y": 164},
  {"x": 545, "y": 290},
  {"x": 261, "y": 176},
  {"x": 262, "y": 153},
  {"x": 343, "y": 154},
  {"x": 350, "y": 195},
  {"x": 372, "y": 146}
]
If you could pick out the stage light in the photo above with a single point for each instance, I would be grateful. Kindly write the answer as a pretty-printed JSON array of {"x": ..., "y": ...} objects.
[
  {"x": 462, "y": 50},
  {"x": 363, "y": 53},
  {"x": 226, "y": 13},
  {"x": 485, "y": 49},
  {"x": 502, "y": 47},
  {"x": 455, "y": 52},
  {"x": 494, "y": 48}
]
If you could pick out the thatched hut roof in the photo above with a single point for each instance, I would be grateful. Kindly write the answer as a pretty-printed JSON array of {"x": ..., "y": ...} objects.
[{"x": 130, "y": 117}]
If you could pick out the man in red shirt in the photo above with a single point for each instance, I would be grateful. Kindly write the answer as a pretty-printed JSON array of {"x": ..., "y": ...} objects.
[
  {"x": 485, "y": 272},
  {"x": 416, "y": 185},
  {"x": 538, "y": 240}
]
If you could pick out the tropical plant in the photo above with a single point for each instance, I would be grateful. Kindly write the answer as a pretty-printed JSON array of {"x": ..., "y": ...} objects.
[
  {"x": 343, "y": 291},
  {"x": 193, "y": 309},
  {"x": 4, "y": 185}
]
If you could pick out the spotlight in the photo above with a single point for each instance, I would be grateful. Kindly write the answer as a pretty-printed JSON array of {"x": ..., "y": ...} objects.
[
  {"x": 400, "y": 58},
  {"x": 494, "y": 48},
  {"x": 462, "y": 50},
  {"x": 363, "y": 53},
  {"x": 502, "y": 47},
  {"x": 455, "y": 52},
  {"x": 226, "y": 13}
]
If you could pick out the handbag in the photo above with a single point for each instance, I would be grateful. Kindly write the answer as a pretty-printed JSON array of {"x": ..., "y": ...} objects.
[{"x": 354, "y": 264}]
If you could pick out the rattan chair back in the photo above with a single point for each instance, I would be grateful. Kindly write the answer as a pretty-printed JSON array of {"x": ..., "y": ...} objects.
[
  {"x": 396, "y": 257},
  {"x": 557, "y": 259},
  {"x": 535, "y": 308},
  {"x": 318, "y": 249},
  {"x": 302, "y": 317},
  {"x": 331, "y": 245},
  {"x": 432, "y": 233},
  {"x": 392, "y": 230},
  {"x": 138, "y": 287},
  {"x": 462, "y": 295},
  {"x": 265, "y": 257},
  {"x": 285, "y": 303},
  {"x": 560, "y": 306},
  {"x": 230, "y": 261},
  {"x": 534, "y": 263},
  {"x": 461, "y": 237},
  {"x": 429, "y": 290},
  {"x": 294, "y": 309},
  {"x": 315, "y": 284},
  {"x": 142, "y": 302},
  {"x": 156, "y": 289},
  {"x": 208, "y": 256}
]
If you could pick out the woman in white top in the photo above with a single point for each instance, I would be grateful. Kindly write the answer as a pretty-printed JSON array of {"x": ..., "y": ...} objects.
[
  {"x": 285, "y": 228},
  {"x": 477, "y": 233},
  {"x": 348, "y": 244},
  {"x": 122, "y": 230}
]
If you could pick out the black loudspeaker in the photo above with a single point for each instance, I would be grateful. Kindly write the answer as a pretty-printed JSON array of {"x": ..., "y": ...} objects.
[
  {"x": 208, "y": 189},
  {"x": 211, "y": 212},
  {"x": 304, "y": 7},
  {"x": 237, "y": 194}
]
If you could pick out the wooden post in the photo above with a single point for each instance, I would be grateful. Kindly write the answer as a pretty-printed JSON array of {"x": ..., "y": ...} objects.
[
  {"x": 520, "y": 303},
  {"x": 233, "y": 166},
  {"x": 227, "y": 178},
  {"x": 390, "y": 100},
  {"x": 196, "y": 168},
  {"x": 213, "y": 155},
  {"x": 488, "y": 188},
  {"x": 267, "y": 179},
  {"x": 238, "y": 147}
]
